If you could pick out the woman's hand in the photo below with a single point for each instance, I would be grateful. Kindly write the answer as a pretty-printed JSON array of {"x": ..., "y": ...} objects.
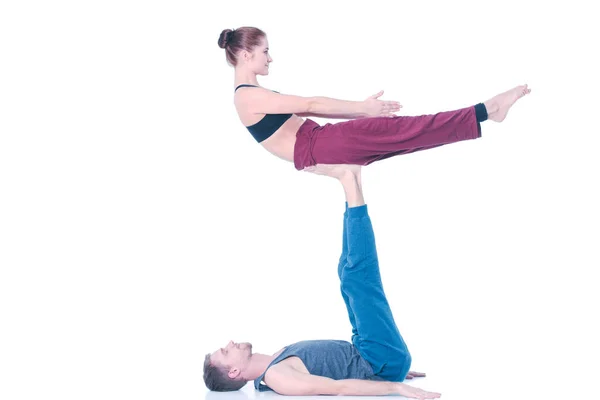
[{"x": 380, "y": 108}]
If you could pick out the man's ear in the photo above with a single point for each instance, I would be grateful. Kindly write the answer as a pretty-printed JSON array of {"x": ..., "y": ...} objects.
[{"x": 234, "y": 373}]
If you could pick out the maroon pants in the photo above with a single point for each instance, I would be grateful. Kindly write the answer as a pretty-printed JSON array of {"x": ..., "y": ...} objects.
[{"x": 366, "y": 140}]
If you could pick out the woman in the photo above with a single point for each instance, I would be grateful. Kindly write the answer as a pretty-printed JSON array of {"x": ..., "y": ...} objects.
[{"x": 373, "y": 132}]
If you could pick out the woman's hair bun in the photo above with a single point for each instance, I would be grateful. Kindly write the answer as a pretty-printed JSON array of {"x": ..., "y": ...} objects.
[{"x": 225, "y": 38}]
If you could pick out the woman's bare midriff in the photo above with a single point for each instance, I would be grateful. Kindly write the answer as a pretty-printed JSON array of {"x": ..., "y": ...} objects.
[{"x": 281, "y": 143}]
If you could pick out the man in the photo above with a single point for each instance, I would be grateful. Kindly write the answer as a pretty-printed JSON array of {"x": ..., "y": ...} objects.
[{"x": 375, "y": 363}]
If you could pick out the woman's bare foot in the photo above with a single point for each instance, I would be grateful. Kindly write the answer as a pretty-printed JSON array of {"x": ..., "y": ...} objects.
[{"x": 498, "y": 106}]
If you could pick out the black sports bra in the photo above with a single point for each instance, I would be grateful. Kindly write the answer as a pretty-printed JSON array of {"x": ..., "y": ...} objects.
[{"x": 264, "y": 128}]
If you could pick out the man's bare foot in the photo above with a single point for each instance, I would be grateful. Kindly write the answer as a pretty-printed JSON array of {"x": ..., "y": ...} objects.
[
  {"x": 348, "y": 175},
  {"x": 337, "y": 171},
  {"x": 498, "y": 106}
]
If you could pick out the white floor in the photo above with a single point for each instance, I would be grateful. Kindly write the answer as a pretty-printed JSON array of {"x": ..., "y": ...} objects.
[{"x": 248, "y": 392}]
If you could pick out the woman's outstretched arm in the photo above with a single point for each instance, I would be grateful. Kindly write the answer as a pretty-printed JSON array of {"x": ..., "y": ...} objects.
[
  {"x": 263, "y": 101},
  {"x": 393, "y": 107}
]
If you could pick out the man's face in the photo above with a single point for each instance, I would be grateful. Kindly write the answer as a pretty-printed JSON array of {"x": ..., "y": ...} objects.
[{"x": 232, "y": 356}]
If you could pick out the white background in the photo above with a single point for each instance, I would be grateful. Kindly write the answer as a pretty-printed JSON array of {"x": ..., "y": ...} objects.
[{"x": 141, "y": 226}]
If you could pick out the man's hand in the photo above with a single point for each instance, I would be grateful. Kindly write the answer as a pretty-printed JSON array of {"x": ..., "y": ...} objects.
[
  {"x": 416, "y": 393},
  {"x": 413, "y": 374}
]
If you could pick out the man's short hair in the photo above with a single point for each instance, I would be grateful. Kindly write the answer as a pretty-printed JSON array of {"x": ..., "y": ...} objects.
[{"x": 216, "y": 378}]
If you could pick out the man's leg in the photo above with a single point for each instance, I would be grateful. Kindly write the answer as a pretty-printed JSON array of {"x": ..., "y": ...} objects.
[
  {"x": 341, "y": 264},
  {"x": 375, "y": 333},
  {"x": 378, "y": 338}
]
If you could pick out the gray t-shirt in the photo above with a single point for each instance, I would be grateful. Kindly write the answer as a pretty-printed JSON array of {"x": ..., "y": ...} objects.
[{"x": 335, "y": 359}]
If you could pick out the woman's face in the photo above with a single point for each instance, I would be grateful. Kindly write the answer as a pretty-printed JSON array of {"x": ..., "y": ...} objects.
[{"x": 260, "y": 58}]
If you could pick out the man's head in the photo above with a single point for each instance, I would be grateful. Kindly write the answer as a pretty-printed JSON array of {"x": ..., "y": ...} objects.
[{"x": 224, "y": 369}]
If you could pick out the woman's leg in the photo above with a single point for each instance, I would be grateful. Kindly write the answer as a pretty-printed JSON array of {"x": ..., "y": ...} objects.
[{"x": 364, "y": 141}]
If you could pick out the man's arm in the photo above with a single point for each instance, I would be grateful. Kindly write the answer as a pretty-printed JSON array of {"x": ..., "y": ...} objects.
[{"x": 286, "y": 380}]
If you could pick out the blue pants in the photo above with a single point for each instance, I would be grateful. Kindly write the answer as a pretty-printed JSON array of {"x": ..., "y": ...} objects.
[{"x": 374, "y": 332}]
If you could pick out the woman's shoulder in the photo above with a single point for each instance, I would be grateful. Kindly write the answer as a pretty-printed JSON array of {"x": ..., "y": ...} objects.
[
  {"x": 246, "y": 85},
  {"x": 248, "y": 94},
  {"x": 249, "y": 86}
]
